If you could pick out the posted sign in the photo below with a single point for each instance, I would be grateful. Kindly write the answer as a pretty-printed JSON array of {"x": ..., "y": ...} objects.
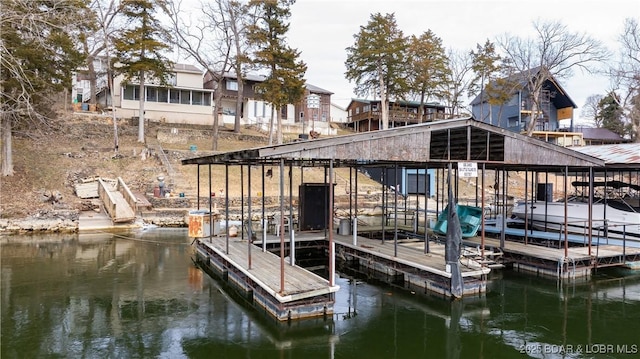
[{"x": 467, "y": 169}]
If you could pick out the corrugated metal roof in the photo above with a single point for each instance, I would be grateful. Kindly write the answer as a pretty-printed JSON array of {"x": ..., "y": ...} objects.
[{"x": 616, "y": 154}]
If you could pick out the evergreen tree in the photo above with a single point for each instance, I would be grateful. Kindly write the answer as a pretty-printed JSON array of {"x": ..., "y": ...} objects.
[
  {"x": 139, "y": 50},
  {"x": 37, "y": 56},
  {"x": 428, "y": 68},
  {"x": 610, "y": 114},
  {"x": 285, "y": 82},
  {"x": 377, "y": 61}
]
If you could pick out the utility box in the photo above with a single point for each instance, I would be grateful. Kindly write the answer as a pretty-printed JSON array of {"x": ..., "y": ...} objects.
[
  {"x": 200, "y": 224},
  {"x": 313, "y": 208},
  {"x": 545, "y": 192}
]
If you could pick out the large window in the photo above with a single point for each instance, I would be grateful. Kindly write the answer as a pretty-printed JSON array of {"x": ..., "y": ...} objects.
[
  {"x": 232, "y": 85},
  {"x": 163, "y": 95},
  {"x": 131, "y": 93},
  {"x": 196, "y": 98},
  {"x": 152, "y": 94},
  {"x": 166, "y": 95},
  {"x": 174, "y": 96},
  {"x": 185, "y": 97}
]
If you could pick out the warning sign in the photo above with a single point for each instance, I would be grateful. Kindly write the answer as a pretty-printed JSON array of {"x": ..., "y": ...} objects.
[{"x": 467, "y": 169}]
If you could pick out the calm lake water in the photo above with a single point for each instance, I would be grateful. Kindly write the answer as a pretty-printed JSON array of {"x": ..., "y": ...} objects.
[{"x": 139, "y": 295}]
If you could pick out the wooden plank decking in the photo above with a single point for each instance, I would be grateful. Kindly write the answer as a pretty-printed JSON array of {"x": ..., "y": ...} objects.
[
  {"x": 299, "y": 283},
  {"x": 554, "y": 253},
  {"x": 411, "y": 254}
]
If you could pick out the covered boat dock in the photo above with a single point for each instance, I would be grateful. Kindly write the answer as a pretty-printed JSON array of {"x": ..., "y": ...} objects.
[{"x": 439, "y": 147}]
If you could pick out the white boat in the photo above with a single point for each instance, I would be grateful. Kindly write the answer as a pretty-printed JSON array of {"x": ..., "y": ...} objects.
[{"x": 613, "y": 217}]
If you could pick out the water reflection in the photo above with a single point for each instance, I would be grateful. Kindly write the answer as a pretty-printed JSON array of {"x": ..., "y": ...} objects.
[{"x": 139, "y": 295}]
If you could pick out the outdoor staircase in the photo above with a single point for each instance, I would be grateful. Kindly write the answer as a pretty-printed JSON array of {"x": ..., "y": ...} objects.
[
  {"x": 172, "y": 176},
  {"x": 119, "y": 202}
]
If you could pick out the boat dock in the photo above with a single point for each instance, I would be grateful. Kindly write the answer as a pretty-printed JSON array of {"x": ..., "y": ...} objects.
[
  {"x": 408, "y": 265},
  {"x": 255, "y": 275},
  {"x": 551, "y": 261}
]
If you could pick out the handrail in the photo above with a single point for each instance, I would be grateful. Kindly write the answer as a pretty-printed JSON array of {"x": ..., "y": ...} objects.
[
  {"x": 127, "y": 194},
  {"x": 107, "y": 198}
]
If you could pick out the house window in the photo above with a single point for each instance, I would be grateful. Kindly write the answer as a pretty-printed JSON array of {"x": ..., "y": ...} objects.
[
  {"x": 185, "y": 97},
  {"x": 206, "y": 100},
  {"x": 174, "y": 96},
  {"x": 196, "y": 98},
  {"x": 172, "y": 79},
  {"x": 152, "y": 94},
  {"x": 163, "y": 95},
  {"x": 131, "y": 93},
  {"x": 232, "y": 85},
  {"x": 357, "y": 110},
  {"x": 366, "y": 108},
  {"x": 283, "y": 111}
]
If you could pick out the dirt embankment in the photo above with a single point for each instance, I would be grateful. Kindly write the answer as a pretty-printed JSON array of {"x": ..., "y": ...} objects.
[{"x": 41, "y": 196}]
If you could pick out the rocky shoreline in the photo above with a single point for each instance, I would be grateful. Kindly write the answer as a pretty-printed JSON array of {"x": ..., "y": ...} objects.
[{"x": 170, "y": 212}]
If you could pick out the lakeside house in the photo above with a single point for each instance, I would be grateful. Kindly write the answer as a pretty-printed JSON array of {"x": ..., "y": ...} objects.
[
  {"x": 516, "y": 112},
  {"x": 365, "y": 115},
  {"x": 189, "y": 100},
  {"x": 311, "y": 113}
]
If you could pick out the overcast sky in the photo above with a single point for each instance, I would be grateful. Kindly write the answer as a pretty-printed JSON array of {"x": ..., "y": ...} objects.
[{"x": 322, "y": 29}]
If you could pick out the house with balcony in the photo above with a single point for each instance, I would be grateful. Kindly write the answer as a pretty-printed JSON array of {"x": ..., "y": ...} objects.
[
  {"x": 365, "y": 115},
  {"x": 517, "y": 112},
  {"x": 312, "y": 113},
  {"x": 81, "y": 83}
]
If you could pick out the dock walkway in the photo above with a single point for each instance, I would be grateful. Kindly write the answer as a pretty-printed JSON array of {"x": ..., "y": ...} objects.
[
  {"x": 409, "y": 266},
  {"x": 305, "y": 294},
  {"x": 552, "y": 261}
]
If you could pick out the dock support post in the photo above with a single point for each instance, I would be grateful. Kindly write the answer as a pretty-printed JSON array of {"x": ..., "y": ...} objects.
[
  {"x": 355, "y": 230},
  {"x": 265, "y": 226},
  {"x": 332, "y": 247},
  {"x": 292, "y": 247}
]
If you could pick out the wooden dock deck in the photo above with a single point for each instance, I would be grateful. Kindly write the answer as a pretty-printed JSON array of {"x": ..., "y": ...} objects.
[
  {"x": 551, "y": 261},
  {"x": 409, "y": 266},
  {"x": 305, "y": 294}
]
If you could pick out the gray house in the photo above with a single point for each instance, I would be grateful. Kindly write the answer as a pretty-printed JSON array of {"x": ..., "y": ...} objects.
[{"x": 515, "y": 114}]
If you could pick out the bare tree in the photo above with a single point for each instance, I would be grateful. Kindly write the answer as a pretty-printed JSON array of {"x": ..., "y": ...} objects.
[
  {"x": 460, "y": 78},
  {"x": 95, "y": 40},
  {"x": 209, "y": 40},
  {"x": 626, "y": 76},
  {"x": 553, "y": 53},
  {"x": 590, "y": 110}
]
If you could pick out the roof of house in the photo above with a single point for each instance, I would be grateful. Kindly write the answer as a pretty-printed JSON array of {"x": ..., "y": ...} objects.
[
  {"x": 260, "y": 78},
  {"x": 186, "y": 68},
  {"x": 316, "y": 89},
  {"x": 560, "y": 100},
  {"x": 400, "y": 102},
  {"x": 592, "y": 133}
]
